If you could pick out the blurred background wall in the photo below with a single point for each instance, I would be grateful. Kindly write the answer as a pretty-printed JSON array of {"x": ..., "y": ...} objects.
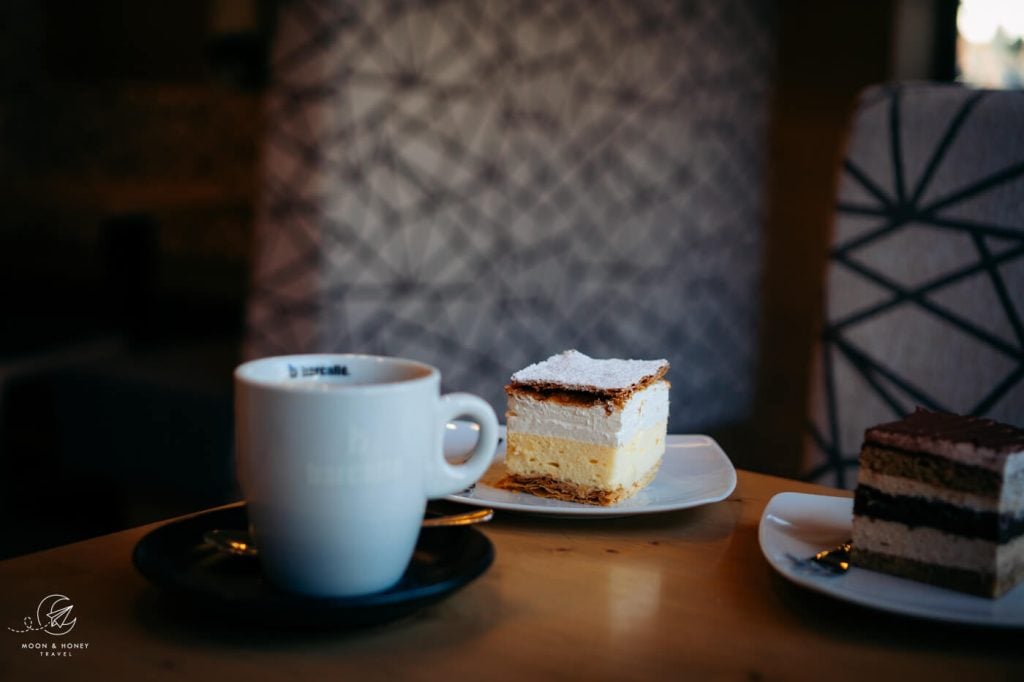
[{"x": 129, "y": 151}]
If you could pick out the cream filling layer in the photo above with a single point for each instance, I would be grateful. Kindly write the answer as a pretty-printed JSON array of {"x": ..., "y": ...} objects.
[
  {"x": 1012, "y": 498},
  {"x": 589, "y": 423},
  {"x": 606, "y": 467},
  {"x": 932, "y": 546}
]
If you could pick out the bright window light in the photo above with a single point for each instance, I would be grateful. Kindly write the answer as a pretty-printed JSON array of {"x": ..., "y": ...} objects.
[{"x": 990, "y": 45}]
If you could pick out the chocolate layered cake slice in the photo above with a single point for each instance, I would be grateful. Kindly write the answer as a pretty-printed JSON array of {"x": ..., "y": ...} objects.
[
  {"x": 940, "y": 499},
  {"x": 586, "y": 430}
]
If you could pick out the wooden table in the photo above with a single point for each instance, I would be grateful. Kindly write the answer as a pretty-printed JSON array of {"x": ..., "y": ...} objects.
[{"x": 682, "y": 595}]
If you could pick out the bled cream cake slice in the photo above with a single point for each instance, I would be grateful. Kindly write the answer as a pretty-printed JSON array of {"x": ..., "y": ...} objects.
[
  {"x": 586, "y": 430},
  {"x": 940, "y": 499}
]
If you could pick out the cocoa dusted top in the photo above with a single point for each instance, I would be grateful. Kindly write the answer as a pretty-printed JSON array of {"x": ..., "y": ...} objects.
[{"x": 924, "y": 430}]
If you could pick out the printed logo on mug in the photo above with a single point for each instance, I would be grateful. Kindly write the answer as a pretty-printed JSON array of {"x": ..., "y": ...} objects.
[{"x": 337, "y": 456}]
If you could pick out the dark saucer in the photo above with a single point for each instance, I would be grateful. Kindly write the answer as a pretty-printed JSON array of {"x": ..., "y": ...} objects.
[{"x": 175, "y": 558}]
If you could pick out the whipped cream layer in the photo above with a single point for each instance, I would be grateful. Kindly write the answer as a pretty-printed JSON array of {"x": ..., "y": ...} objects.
[{"x": 645, "y": 409}]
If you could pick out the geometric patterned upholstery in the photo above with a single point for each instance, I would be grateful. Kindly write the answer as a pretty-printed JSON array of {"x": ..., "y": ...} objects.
[
  {"x": 926, "y": 273},
  {"x": 482, "y": 184}
]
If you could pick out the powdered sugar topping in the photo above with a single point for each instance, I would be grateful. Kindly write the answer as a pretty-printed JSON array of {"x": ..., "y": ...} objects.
[{"x": 575, "y": 371}]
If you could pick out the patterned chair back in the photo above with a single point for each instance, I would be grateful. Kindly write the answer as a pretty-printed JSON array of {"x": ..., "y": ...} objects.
[
  {"x": 926, "y": 273},
  {"x": 480, "y": 185}
]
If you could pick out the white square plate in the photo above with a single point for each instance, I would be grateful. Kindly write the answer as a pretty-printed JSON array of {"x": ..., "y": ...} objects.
[{"x": 694, "y": 471}]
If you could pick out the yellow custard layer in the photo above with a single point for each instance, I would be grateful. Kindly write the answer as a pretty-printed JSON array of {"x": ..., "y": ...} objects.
[{"x": 600, "y": 466}]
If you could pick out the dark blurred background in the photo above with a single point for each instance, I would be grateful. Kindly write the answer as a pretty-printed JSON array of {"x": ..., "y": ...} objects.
[{"x": 129, "y": 147}]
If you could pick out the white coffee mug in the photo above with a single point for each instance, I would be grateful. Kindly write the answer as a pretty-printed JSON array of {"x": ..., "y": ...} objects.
[{"x": 337, "y": 456}]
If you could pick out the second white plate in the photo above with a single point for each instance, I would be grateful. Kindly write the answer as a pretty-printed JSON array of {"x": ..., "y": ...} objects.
[
  {"x": 695, "y": 471},
  {"x": 798, "y": 525}
]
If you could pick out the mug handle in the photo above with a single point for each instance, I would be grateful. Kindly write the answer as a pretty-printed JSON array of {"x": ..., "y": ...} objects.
[{"x": 445, "y": 478}]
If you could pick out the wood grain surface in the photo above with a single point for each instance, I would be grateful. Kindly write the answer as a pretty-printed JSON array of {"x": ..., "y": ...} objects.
[{"x": 681, "y": 595}]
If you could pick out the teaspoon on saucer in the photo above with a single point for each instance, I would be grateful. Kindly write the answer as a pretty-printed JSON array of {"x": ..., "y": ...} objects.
[{"x": 240, "y": 543}]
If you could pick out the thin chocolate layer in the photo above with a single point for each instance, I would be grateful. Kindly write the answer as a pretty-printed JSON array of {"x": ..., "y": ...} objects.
[
  {"x": 925, "y": 426},
  {"x": 937, "y": 471},
  {"x": 618, "y": 394},
  {"x": 983, "y": 584},
  {"x": 564, "y": 397},
  {"x": 917, "y": 511}
]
